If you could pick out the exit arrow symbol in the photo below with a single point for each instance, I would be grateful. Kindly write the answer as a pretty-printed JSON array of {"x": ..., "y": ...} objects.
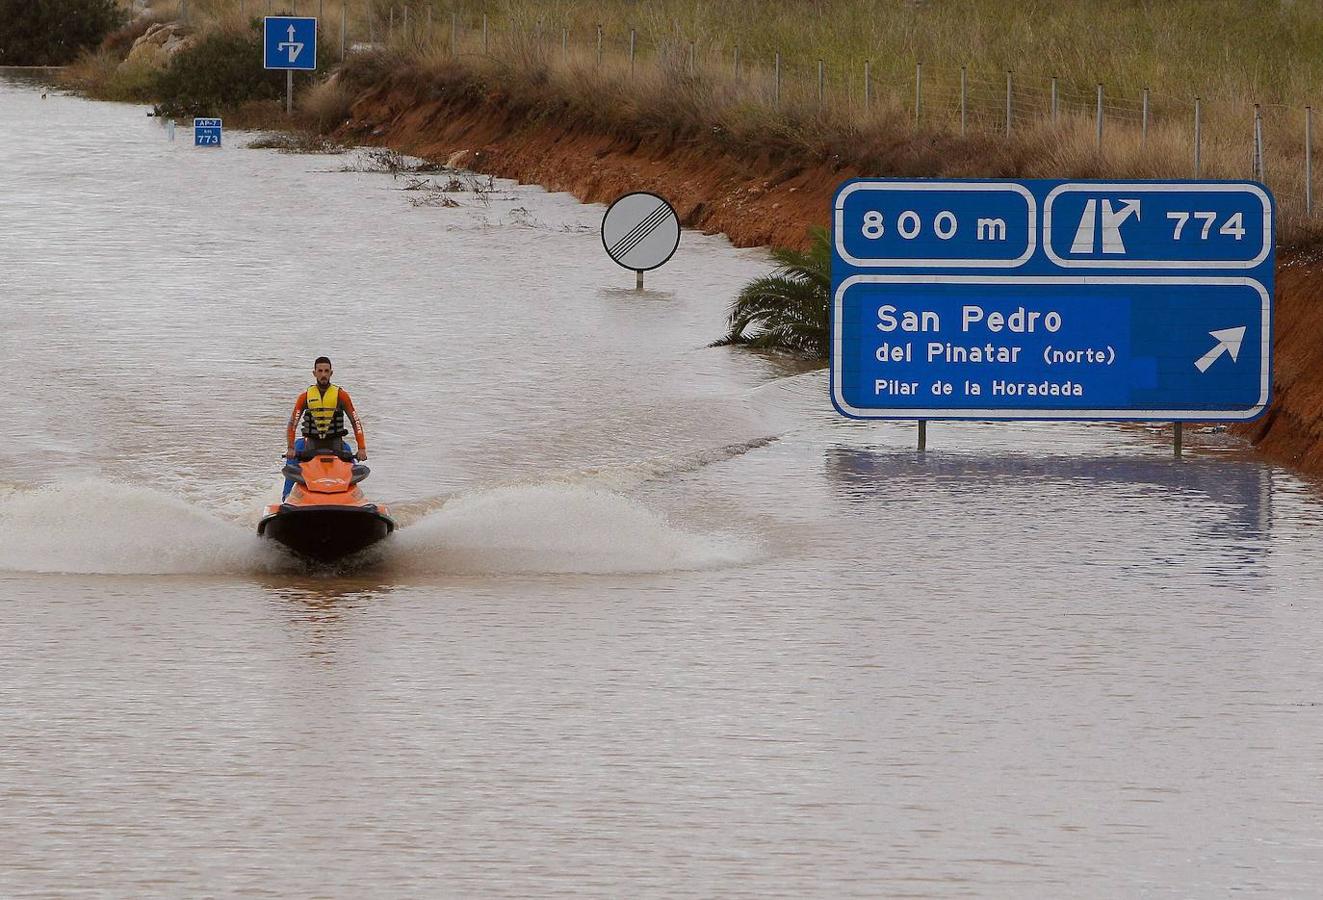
[
  {"x": 295, "y": 47},
  {"x": 1228, "y": 341}
]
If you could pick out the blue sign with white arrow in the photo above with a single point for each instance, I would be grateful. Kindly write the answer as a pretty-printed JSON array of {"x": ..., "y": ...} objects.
[
  {"x": 289, "y": 42},
  {"x": 1052, "y": 300}
]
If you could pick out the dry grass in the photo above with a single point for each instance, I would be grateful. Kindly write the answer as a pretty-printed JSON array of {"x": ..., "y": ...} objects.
[
  {"x": 100, "y": 75},
  {"x": 326, "y": 105},
  {"x": 541, "y": 61},
  {"x": 540, "y": 58}
]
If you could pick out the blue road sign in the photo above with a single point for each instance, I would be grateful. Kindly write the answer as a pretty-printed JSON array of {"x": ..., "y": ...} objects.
[
  {"x": 289, "y": 42},
  {"x": 1052, "y": 300},
  {"x": 206, "y": 132}
]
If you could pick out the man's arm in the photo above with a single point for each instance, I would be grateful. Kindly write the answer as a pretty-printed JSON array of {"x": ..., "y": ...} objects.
[
  {"x": 348, "y": 404},
  {"x": 299, "y": 406}
]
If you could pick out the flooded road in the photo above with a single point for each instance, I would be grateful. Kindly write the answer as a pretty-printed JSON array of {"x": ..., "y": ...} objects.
[{"x": 658, "y": 621}]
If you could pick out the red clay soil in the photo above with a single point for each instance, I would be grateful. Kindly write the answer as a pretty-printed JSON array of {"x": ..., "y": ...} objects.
[
  {"x": 761, "y": 201},
  {"x": 1291, "y": 431},
  {"x": 755, "y": 202}
]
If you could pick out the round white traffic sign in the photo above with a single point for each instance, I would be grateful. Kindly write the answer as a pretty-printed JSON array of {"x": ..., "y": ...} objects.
[{"x": 640, "y": 231}]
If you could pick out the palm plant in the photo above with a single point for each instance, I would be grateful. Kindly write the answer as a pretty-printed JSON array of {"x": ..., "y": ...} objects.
[{"x": 789, "y": 307}]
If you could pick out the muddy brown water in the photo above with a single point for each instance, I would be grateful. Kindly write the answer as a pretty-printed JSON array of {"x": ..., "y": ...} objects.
[{"x": 657, "y": 623}]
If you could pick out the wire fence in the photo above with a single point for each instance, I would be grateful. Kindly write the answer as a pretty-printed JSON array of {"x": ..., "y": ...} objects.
[{"x": 1164, "y": 134}]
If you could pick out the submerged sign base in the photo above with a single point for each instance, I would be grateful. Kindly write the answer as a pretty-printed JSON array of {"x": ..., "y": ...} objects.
[{"x": 1052, "y": 300}]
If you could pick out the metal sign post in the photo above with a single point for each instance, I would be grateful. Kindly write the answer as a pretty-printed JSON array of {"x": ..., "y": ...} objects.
[
  {"x": 1086, "y": 300},
  {"x": 640, "y": 231},
  {"x": 289, "y": 43}
]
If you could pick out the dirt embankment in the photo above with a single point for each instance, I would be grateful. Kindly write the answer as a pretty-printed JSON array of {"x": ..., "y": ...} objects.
[
  {"x": 754, "y": 201},
  {"x": 1292, "y": 430},
  {"x": 759, "y": 199}
]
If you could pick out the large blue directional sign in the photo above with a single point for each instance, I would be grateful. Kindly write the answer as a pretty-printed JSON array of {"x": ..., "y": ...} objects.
[
  {"x": 289, "y": 42},
  {"x": 1052, "y": 300}
]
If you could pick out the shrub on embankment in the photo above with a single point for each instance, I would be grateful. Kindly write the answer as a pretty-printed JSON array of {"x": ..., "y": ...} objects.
[
  {"x": 222, "y": 71},
  {"x": 217, "y": 70},
  {"x": 53, "y": 32}
]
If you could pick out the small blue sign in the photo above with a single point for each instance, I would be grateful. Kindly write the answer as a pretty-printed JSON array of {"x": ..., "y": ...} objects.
[
  {"x": 289, "y": 42},
  {"x": 1052, "y": 300},
  {"x": 206, "y": 132}
]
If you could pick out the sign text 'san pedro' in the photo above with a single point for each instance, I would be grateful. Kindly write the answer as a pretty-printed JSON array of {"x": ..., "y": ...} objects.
[{"x": 1045, "y": 299}]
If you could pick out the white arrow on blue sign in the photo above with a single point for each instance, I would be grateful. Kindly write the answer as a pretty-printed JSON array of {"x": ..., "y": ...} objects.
[
  {"x": 1052, "y": 300},
  {"x": 289, "y": 42}
]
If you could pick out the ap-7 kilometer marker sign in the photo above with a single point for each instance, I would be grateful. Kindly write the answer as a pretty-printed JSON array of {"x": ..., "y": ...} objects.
[{"x": 1051, "y": 300}]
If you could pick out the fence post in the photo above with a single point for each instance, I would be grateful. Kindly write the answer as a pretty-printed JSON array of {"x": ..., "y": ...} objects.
[
  {"x": 241, "y": 2},
  {"x": 484, "y": 33},
  {"x": 1100, "y": 117},
  {"x": 868, "y": 83},
  {"x": 564, "y": 45},
  {"x": 1258, "y": 144},
  {"x": 1008, "y": 103},
  {"x": 1198, "y": 135},
  {"x": 737, "y": 62},
  {"x": 183, "y": 11},
  {"x": 319, "y": 12},
  {"x": 404, "y": 24},
  {"x": 631, "y": 52},
  {"x": 1055, "y": 103},
  {"x": 1309, "y": 160},
  {"x": 1143, "y": 134},
  {"x": 691, "y": 57},
  {"x": 964, "y": 95},
  {"x": 776, "y": 90},
  {"x": 390, "y": 23},
  {"x": 821, "y": 83},
  {"x": 599, "y": 46},
  {"x": 344, "y": 28},
  {"x": 918, "y": 94}
]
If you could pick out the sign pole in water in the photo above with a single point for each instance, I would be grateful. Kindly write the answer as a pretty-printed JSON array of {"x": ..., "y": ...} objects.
[
  {"x": 1087, "y": 300},
  {"x": 640, "y": 231},
  {"x": 289, "y": 43}
]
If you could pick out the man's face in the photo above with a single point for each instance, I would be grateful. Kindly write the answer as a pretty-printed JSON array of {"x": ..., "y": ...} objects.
[{"x": 322, "y": 372}]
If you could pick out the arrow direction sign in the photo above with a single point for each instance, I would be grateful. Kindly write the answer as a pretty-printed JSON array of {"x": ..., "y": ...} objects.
[
  {"x": 294, "y": 47},
  {"x": 289, "y": 42},
  {"x": 1051, "y": 300},
  {"x": 1228, "y": 341}
]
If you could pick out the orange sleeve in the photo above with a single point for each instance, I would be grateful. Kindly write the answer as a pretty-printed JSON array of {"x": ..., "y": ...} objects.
[
  {"x": 348, "y": 404},
  {"x": 299, "y": 405}
]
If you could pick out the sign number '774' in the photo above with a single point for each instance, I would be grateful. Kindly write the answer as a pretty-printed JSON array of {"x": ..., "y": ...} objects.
[{"x": 289, "y": 42}]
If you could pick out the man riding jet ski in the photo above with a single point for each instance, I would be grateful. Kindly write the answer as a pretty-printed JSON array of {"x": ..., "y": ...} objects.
[{"x": 323, "y": 514}]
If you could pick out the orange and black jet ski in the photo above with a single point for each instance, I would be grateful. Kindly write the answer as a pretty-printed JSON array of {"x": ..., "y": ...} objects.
[{"x": 326, "y": 517}]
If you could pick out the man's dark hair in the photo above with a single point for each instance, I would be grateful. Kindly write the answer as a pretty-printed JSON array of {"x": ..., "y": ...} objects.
[{"x": 322, "y": 359}]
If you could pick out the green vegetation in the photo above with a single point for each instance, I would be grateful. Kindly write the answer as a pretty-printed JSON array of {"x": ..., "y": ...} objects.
[
  {"x": 217, "y": 71},
  {"x": 222, "y": 71},
  {"x": 790, "y": 307},
  {"x": 53, "y": 32}
]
